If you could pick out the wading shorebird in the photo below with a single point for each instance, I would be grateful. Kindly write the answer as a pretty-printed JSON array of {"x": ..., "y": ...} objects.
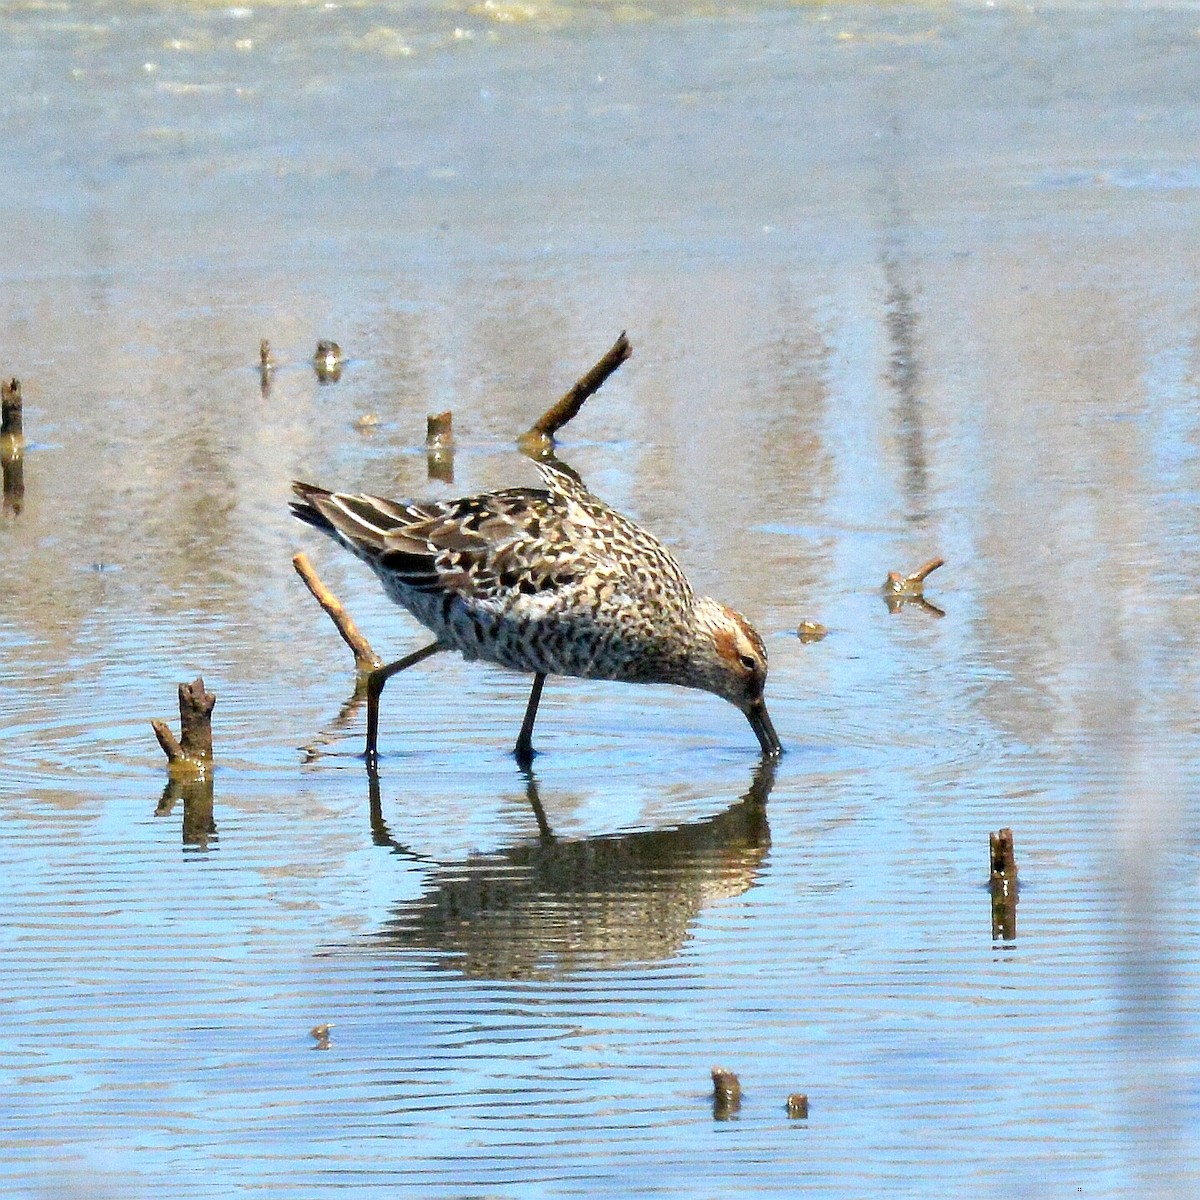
[{"x": 545, "y": 580}]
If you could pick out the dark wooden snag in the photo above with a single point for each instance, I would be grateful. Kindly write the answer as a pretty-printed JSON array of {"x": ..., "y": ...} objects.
[
  {"x": 328, "y": 361},
  {"x": 439, "y": 446},
  {"x": 727, "y": 1093},
  {"x": 192, "y": 754},
  {"x": 10, "y": 409},
  {"x": 12, "y": 445},
  {"x": 1003, "y": 884}
]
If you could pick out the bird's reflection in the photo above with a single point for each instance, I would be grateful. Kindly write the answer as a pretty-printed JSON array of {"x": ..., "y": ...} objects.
[{"x": 552, "y": 906}]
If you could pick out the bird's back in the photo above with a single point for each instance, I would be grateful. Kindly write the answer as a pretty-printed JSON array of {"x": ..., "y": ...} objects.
[{"x": 547, "y": 580}]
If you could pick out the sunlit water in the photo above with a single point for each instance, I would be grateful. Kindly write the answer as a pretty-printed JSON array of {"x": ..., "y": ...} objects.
[{"x": 900, "y": 283}]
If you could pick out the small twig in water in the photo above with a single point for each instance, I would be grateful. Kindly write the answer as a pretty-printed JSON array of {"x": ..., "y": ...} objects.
[
  {"x": 899, "y": 590},
  {"x": 328, "y": 362},
  {"x": 439, "y": 430},
  {"x": 10, "y": 409}
]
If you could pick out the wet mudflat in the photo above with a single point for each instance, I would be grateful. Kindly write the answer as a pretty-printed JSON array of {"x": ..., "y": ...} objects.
[{"x": 900, "y": 283}]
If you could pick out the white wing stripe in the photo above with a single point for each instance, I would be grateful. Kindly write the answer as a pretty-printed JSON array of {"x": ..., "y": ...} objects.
[{"x": 356, "y": 518}]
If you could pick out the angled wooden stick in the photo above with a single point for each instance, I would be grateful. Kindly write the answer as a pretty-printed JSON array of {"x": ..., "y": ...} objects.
[
  {"x": 365, "y": 659},
  {"x": 538, "y": 439}
]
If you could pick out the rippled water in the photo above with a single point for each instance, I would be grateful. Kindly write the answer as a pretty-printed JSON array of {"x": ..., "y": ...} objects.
[{"x": 901, "y": 283}]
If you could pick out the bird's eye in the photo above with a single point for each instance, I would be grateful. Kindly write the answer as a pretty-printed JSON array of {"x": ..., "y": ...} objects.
[{"x": 749, "y": 663}]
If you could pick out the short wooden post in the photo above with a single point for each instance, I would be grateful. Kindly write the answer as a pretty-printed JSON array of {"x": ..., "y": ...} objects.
[{"x": 1003, "y": 884}]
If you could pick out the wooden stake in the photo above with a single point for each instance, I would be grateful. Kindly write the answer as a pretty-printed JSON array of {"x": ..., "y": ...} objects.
[
  {"x": 1004, "y": 884},
  {"x": 727, "y": 1093},
  {"x": 439, "y": 446},
  {"x": 12, "y": 446},
  {"x": 10, "y": 409}
]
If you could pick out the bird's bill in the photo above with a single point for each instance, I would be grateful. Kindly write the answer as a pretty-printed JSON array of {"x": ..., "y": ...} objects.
[{"x": 760, "y": 722}]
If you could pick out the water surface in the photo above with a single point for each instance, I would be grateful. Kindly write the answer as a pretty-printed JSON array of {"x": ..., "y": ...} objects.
[{"x": 900, "y": 282}]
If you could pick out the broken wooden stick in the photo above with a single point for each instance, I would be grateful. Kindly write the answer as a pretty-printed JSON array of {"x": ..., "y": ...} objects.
[
  {"x": 899, "y": 590},
  {"x": 727, "y": 1093},
  {"x": 1003, "y": 884},
  {"x": 328, "y": 361},
  {"x": 266, "y": 367},
  {"x": 439, "y": 446},
  {"x": 538, "y": 439},
  {"x": 439, "y": 430},
  {"x": 12, "y": 445},
  {"x": 193, "y": 752},
  {"x": 10, "y": 409},
  {"x": 911, "y": 585},
  {"x": 365, "y": 659}
]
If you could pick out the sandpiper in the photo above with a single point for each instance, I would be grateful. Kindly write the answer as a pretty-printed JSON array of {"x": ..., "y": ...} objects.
[{"x": 545, "y": 580}]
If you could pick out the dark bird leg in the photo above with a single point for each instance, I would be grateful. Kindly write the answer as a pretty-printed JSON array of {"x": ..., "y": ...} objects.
[
  {"x": 375, "y": 681},
  {"x": 524, "y": 747}
]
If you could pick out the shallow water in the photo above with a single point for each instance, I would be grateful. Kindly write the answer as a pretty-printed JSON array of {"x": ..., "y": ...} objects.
[{"x": 900, "y": 282}]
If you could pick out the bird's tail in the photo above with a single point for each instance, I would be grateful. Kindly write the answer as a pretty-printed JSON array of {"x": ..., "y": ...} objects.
[{"x": 305, "y": 510}]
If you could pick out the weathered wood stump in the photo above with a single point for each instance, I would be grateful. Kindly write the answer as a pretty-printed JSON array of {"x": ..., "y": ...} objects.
[
  {"x": 1003, "y": 860},
  {"x": 12, "y": 445},
  {"x": 328, "y": 362},
  {"x": 192, "y": 753},
  {"x": 11, "y": 418},
  {"x": 727, "y": 1093},
  {"x": 439, "y": 446}
]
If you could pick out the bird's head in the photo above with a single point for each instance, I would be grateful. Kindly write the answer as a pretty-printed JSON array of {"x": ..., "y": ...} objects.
[{"x": 728, "y": 658}]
